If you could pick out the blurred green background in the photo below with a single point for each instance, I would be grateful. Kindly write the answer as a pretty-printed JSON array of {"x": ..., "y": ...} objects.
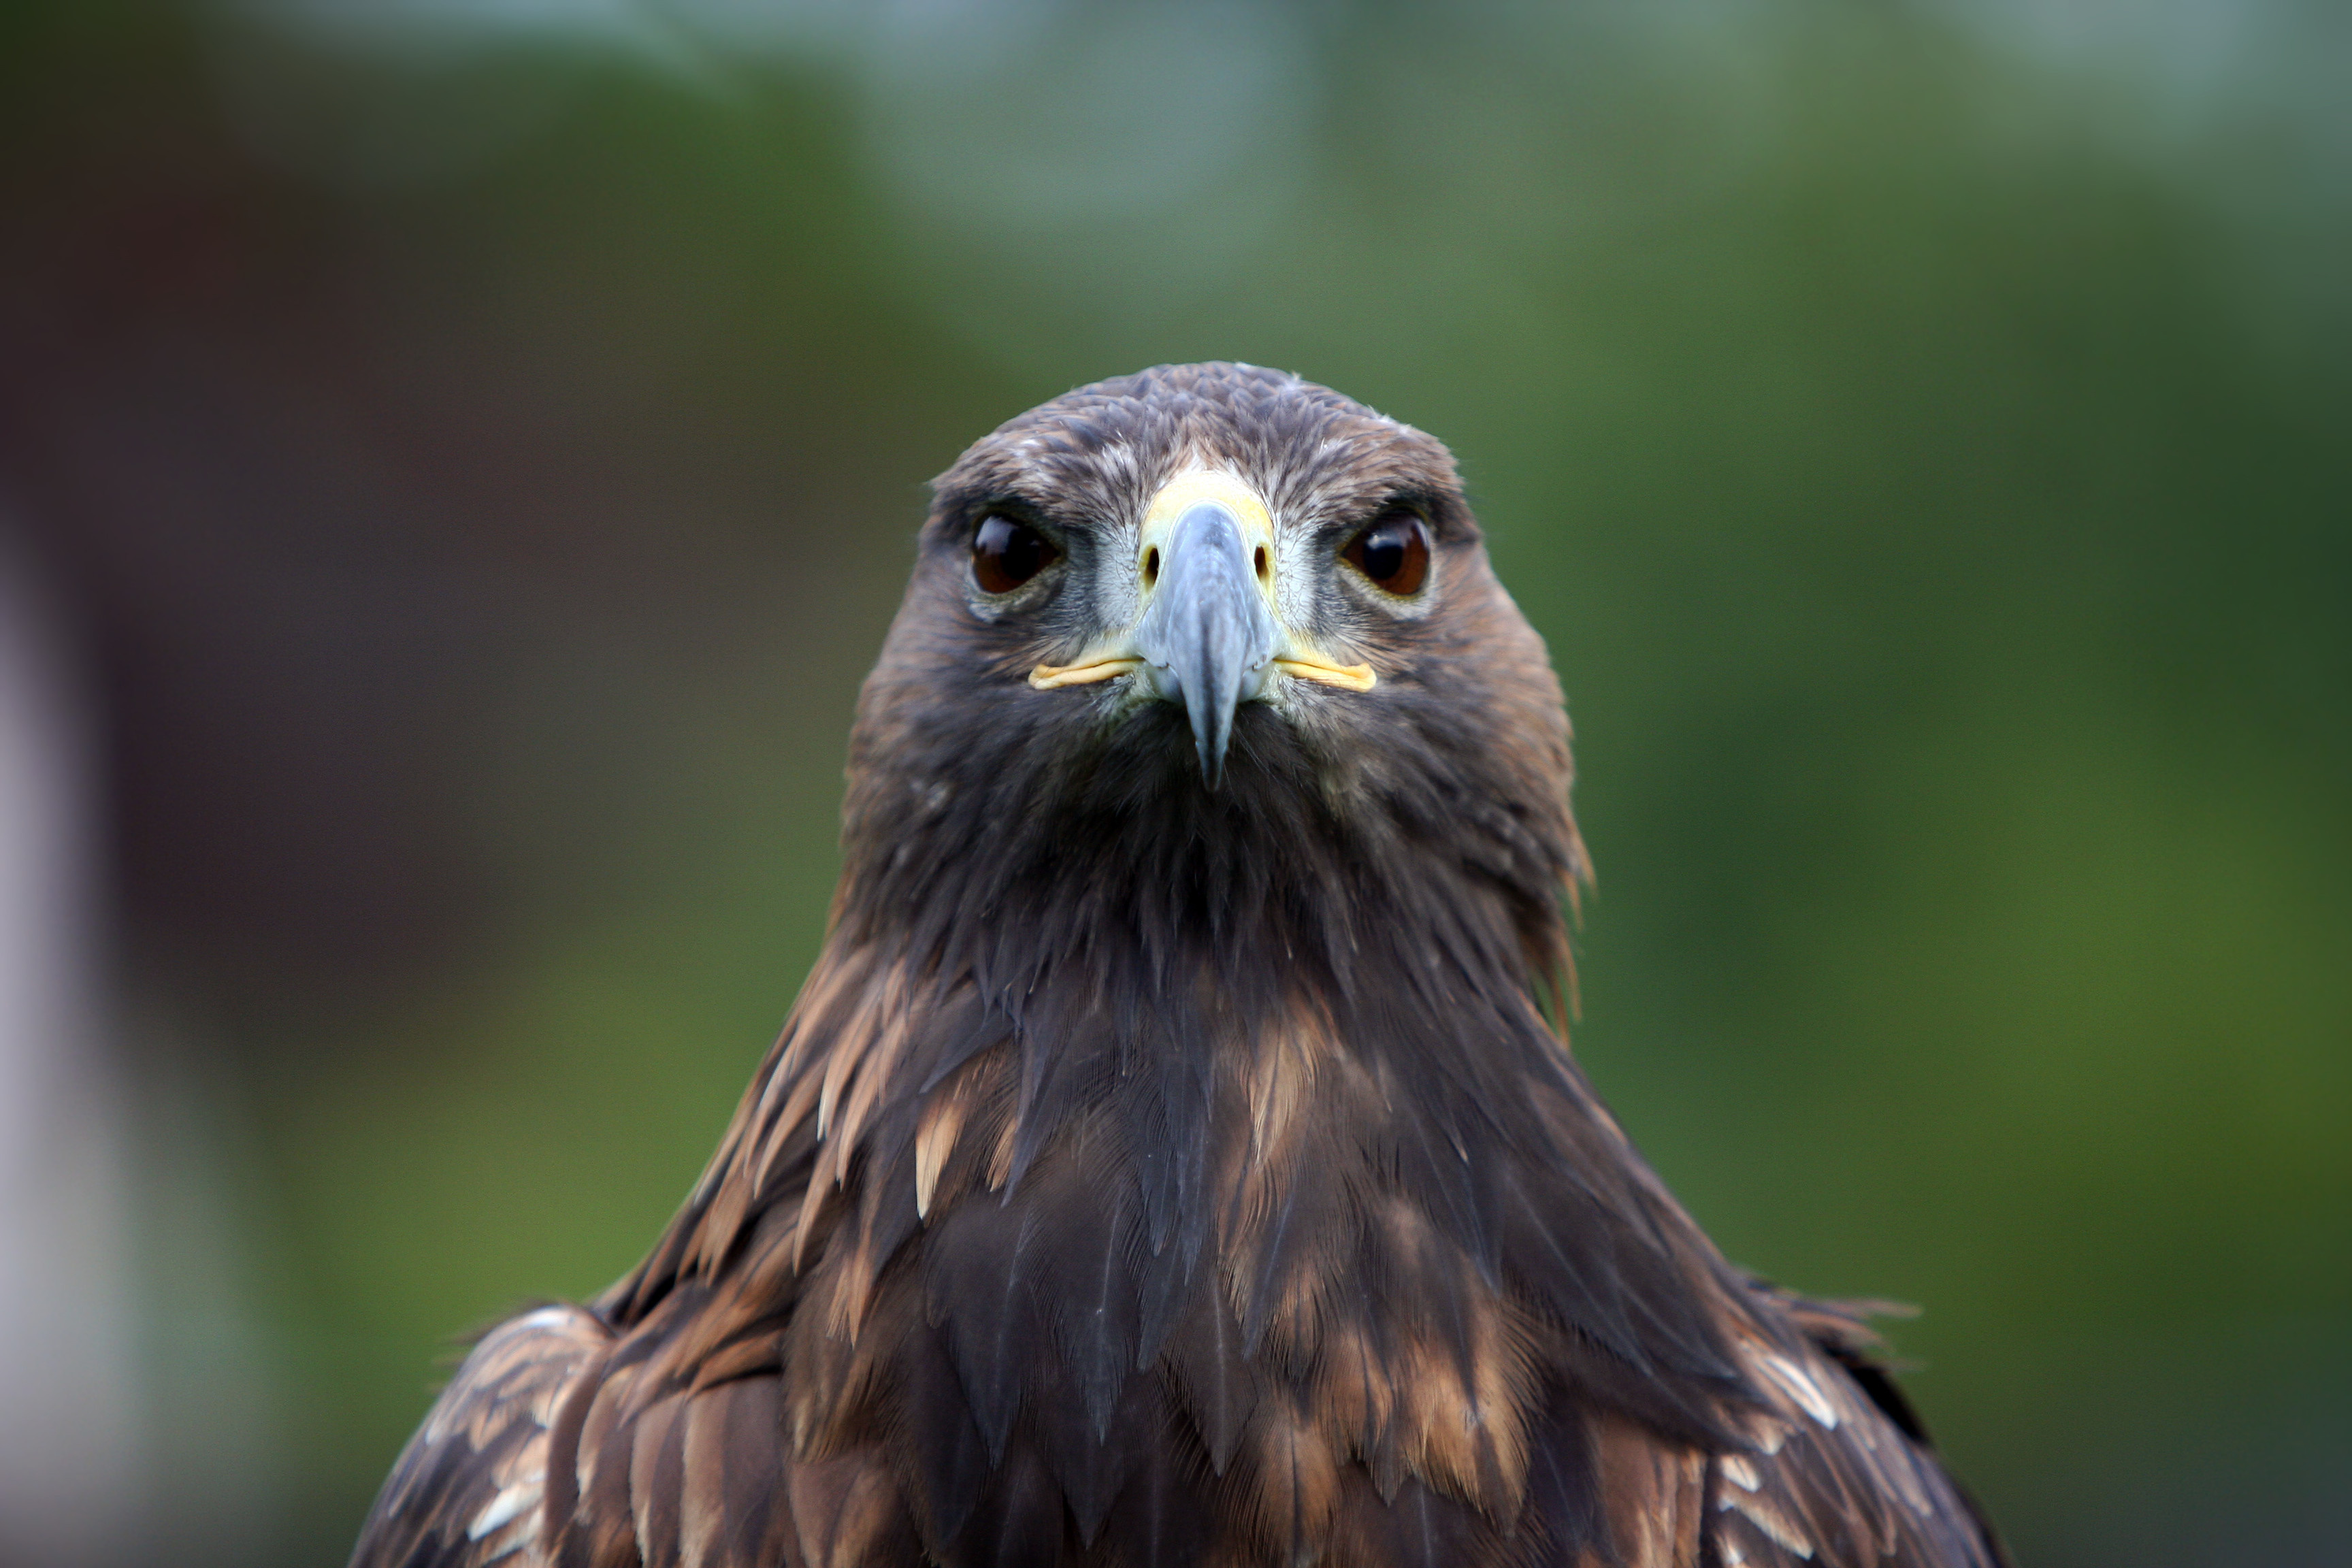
[{"x": 470, "y": 452}]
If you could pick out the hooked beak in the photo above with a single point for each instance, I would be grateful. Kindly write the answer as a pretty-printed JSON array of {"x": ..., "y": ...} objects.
[{"x": 1208, "y": 636}]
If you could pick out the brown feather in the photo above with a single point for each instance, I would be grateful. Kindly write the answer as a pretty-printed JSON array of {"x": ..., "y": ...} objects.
[
  {"x": 656, "y": 1472},
  {"x": 844, "y": 1507},
  {"x": 944, "y": 1117}
]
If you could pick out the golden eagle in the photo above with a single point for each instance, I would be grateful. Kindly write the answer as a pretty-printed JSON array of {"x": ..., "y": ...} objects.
[{"x": 1173, "y": 1158}]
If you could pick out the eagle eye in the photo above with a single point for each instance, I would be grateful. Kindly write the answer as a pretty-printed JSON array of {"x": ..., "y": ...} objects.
[
  {"x": 1006, "y": 554},
  {"x": 1392, "y": 551}
]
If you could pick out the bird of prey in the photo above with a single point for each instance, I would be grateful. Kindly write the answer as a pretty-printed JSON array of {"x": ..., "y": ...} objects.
[{"x": 1174, "y": 1157}]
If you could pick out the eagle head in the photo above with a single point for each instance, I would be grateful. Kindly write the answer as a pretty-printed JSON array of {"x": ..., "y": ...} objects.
[{"x": 1228, "y": 641}]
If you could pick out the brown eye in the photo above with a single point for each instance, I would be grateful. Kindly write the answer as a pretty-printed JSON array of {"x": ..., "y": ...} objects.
[
  {"x": 1006, "y": 554},
  {"x": 1393, "y": 552}
]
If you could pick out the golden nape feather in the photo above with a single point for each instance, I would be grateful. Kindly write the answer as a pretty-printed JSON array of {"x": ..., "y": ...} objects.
[{"x": 1171, "y": 1159}]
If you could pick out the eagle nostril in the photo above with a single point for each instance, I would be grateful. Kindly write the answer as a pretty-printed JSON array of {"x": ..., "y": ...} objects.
[
  {"x": 1261, "y": 563},
  {"x": 1151, "y": 566}
]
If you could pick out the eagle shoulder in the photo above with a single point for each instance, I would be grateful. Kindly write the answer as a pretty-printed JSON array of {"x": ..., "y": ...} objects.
[
  {"x": 468, "y": 1488},
  {"x": 1838, "y": 1470}
]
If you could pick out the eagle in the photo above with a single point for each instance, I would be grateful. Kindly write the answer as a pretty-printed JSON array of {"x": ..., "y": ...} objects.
[{"x": 1175, "y": 1156}]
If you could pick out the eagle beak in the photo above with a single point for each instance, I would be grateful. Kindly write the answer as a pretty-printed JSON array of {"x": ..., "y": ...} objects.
[{"x": 1206, "y": 637}]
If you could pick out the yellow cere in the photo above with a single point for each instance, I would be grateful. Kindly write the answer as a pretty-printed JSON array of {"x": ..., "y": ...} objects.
[{"x": 1191, "y": 489}]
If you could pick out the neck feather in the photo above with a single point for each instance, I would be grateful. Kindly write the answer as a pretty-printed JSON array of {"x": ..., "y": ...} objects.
[{"x": 1239, "y": 1047}]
